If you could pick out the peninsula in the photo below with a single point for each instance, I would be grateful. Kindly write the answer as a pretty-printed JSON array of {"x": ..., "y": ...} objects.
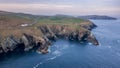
[{"x": 21, "y": 32}]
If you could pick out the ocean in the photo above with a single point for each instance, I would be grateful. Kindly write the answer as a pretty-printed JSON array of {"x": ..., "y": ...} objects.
[{"x": 71, "y": 54}]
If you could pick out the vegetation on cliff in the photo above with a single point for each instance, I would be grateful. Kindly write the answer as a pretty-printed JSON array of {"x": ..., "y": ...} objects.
[{"x": 28, "y": 31}]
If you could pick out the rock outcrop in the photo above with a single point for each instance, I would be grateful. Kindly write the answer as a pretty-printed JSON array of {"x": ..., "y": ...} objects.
[
  {"x": 25, "y": 43},
  {"x": 54, "y": 32}
]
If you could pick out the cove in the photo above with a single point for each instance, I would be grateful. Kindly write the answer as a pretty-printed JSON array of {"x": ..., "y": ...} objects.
[{"x": 70, "y": 54}]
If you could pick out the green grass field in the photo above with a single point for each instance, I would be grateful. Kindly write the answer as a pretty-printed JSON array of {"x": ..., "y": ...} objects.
[{"x": 10, "y": 23}]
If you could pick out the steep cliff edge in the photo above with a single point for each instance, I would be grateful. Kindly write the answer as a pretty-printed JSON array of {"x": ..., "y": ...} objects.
[{"x": 19, "y": 34}]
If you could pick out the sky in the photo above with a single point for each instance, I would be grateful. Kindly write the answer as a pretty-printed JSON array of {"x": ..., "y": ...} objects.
[{"x": 68, "y": 7}]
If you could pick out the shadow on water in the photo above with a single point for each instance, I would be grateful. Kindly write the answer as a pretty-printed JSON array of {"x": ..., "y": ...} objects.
[{"x": 17, "y": 53}]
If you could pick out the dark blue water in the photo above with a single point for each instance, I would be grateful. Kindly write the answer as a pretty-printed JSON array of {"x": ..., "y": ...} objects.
[{"x": 66, "y": 54}]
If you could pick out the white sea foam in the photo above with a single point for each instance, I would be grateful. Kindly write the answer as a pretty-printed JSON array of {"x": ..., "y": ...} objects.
[
  {"x": 41, "y": 53},
  {"x": 49, "y": 50},
  {"x": 41, "y": 63},
  {"x": 109, "y": 46},
  {"x": 56, "y": 52},
  {"x": 89, "y": 43},
  {"x": 36, "y": 66},
  {"x": 53, "y": 57},
  {"x": 64, "y": 47},
  {"x": 38, "y": 52}
]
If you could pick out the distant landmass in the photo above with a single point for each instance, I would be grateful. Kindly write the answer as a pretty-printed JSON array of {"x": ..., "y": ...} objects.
[{"x": 97, "y": 17}]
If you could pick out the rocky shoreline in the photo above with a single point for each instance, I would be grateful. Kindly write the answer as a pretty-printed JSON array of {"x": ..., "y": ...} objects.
[
  {"x": 17, "y": 38},
  {"x": 50, "y": 32}
]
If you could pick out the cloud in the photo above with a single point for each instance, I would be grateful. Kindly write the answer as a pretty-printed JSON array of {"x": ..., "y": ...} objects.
[
  {"x": 70, "y": 7},
  {"x": 33, "y": 6},
  {"x": 36, "y": 8}
]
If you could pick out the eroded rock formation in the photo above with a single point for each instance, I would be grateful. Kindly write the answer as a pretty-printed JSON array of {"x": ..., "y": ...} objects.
[
  {"x": 50, "y": 32},
  {"x": 15, "y": 36}
]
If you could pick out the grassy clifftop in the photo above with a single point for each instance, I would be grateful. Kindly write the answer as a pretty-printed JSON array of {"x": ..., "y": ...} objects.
[
  {"x": 18, "y": 23},
  {"x": 27, "y": 31}
]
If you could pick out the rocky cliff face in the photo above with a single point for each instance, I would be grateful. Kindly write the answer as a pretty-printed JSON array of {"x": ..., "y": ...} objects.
[
  {"x": 54, "y": 32},
  {"x": 21, "y": 32},
  {"x": 50, "y": 32}
]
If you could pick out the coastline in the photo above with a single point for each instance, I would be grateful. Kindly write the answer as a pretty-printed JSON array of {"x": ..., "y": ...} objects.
[{"x": 24, "y": 38}]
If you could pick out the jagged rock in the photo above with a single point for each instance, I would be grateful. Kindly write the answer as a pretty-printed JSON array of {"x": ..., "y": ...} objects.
[
  {"x": 91, "y": 38},
  {"x": 66, "y": 32},
  {"x": 1, "y": 50},
  {"x": 43, "y": 44},
  {"x": 9, "y": 44},
  {"x": 50, "y": 32},
  {"x": 43, "y": 49},
  {"x": 47, "y": 32},
  {"x": 32, "y": 41},
  {"x": 28, "y": 41}
]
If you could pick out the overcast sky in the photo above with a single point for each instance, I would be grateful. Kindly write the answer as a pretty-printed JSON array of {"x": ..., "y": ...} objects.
[{"x": 69, "y": 7}]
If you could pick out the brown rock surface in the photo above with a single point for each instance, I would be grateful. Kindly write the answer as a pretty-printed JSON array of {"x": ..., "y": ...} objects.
[{"x": 24, "y": 38}]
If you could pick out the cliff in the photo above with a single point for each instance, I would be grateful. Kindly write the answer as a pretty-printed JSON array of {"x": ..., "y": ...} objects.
[{"x": 19, "y": 32}]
